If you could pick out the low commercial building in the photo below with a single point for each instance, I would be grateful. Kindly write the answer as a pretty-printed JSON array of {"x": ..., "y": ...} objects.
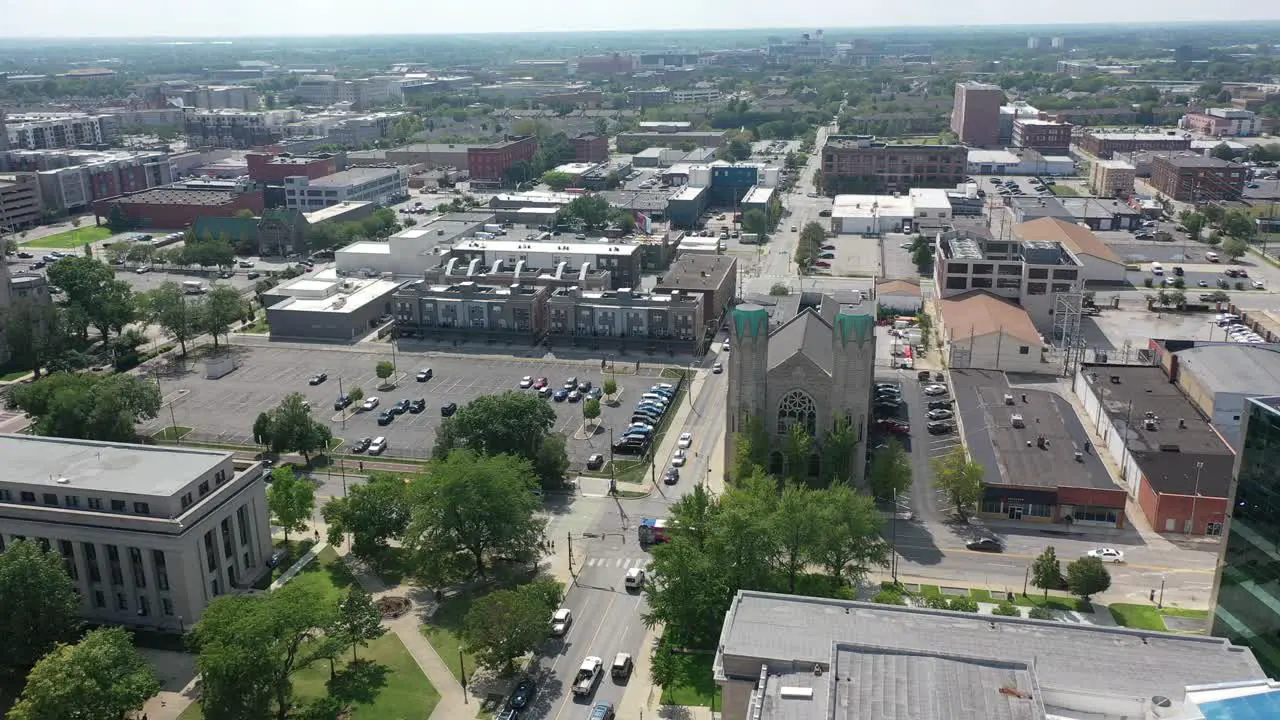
[
  {"x": 577, "y": 170},
  {"x": 788, "y": 657},
  {"x": 1018, "y": 161},
  {"x": 590, "y": 148},
  {"x": 1101, "y": 264},
  {"x": 633, "y": 142},
  {"x": 1171, "y": 460},
  {"x": 1198, "y": 178},
  {"x": 861, "y": 163},
  {"x": 651, "y": 97},
  {"x": 899, "y": 296},
  {"x": 431, "y": 155},
  {"x": 920, "y": 209},
  {"x": 149, "y": 535},
  {"x": 1104, "y": 144},
  {"x": 626, "y": 319},
  {"x": 622, "y": 260},
  {"x": 470, "y": 310},
  {"x": 174, "y": 207},
  {"x": 20, "y": 201},
  {"x": 985, "y": 331},
  {"x": 1112, "y": 178},
  {"x": 412, "y": 251},
  {"x": 328, "y": 308},
  {"x": 1219, "y": 377},
  {"x": 684, "y": 208},
  {"x": 1103, "y": 213},
  {"x": 711, "y": 277},
  {"x": 381, "y": 185},
  {"x": 268, "y": 168},
  {"x": 765, "y": 200}
]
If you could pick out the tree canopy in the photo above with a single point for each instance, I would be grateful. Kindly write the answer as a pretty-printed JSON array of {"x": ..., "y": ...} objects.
[
  {"x": 1046, "y": 571},
  {"x": 88, "y": 407},
  {"x": 1087, "y": 576},
  {"x": 41, "y": 606},
  {"x": 505, "y": 625},
  {"x": 512, "y": 423},
  {"x": 291, "y": 500},
  {"x": 960, "y": 478},
  {"x": 373, "y": 512},
  {"x": 592, "y": 210},
  {"x": 92, "y": 295},
  {"x": 102, "y": 676},
  {"x": 890, "y": 472},
  {"x": 289, "y": 427}
]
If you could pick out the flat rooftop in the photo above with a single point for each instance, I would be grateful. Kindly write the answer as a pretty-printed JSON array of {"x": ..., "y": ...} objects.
[
  {"x": 319, "y": 216},
  {"x": 353, "y": 176},
  {"x": 600, "y": 246},
  {"x": 758, "y": 195},
  {"x": 1198, "y": 161},
  {"x": 694, "y": 271},
  {"x": 1065, "y": 660},
  {"x": 322, "y": 294},
  {"x": 105, "y": 467},
  {"x": 1136, "y": 136},
  {"x": 1013, "y": 451}
]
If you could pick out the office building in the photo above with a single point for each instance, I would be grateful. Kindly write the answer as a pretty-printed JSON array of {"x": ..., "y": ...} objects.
[
  {"x": 1047, "y": 136},
  {"x": 175, "y": 207},
  {"x": 1104, "y": 144},
  {"x": 149, "y": 535},
  {"x": 1100, "y": 264},
  {"x": 1223, "y": 122},
  {"x": 612, "y": 64},
  {"x": 590, "y": 148},
  {"x": 713, "y": 278},
  {"x": 381, "y": 185},
  {"x": 918, "y": 210},
  {"x": 43, "y": 131},
  {"x": 625, "y": 319},
  {"x": 651, "y": 97},
  {"x": 429, "y": 156},
  {"x": 492, "y": 163},
  {"x": 1016, "y": 110},
  {"x": 1198, "y": 178},
  {"x": 685, "y": 207},
  {"x": 975, "y": 114},
  {"x": 471, "y": 309},
  {"x": 324, "y": 306},
  {"x": 863, "y": 164},
  {"x": 1247, "y": 587},
  {"x": 806, "y": 361},
  {"x": 361, "y": 94},
  {"x": 787, "y": 657},
  {"x": 268, "y": 168},
  {"x": 20, "y": 202},
  {"x": 686, "y": 96},
  {"x": 1112, "y": 178}
]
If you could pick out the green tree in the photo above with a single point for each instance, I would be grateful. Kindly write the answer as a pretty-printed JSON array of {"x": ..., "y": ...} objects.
[
  {"x": 688, "y": 591},
  {"x": 796, "y": 447},
  {"x": 1194, "y": 223},
  {"x": 812, "y": 237},
  {"x": 847, "y": 543},
  {"x": 1234, "y": 248},
  {"x": 592, "y": 210},
  {"x": 290, "y": 499},
  {"x": 591, "y": 409},
  {"x": 355, "y": 395},
  {"x": 669, "y": 666},
  {"x": 1046, "y": 571},
  {"x": 1006, "y": 609},
  {"x": 469, "y": 510},
  {"x": 506, "y": 625},
  {"x": 890, "y": 472},
  {"x": 289, "y": 427},
  {"x": 838, "y": 448},
  {"x": 102, "y": 676},
  {"x": 1214, "y": 240},
  {"x": 1040, "y": 613},
  {"x": 610, "y": 387},
  {"x": 512, "y": 423},
  {"x": 373, "y": 512},
  {"x": 743, "y": 533},
  {"x": 88, "y": 407},
  {"x": 221, "y": 308},
  {"x": 357, "y": 621},
  {"x": 557, "y": 180},
  {"x": 779, "y": 289},
  {"x": 35, "y": 334},
  {"x": 738, "y": 150},
  {"x": 796, "y": 527},
  {"x": 249, "y": 646},
  {"x": 755, "y": 221},
  {"x": 960, "y": 478},
  {"x": 167, "y": 307},
  {"x": 922, "y": 258},
  {"x": 91, "y": 293},
  {"x": 384, "y": 370},
  {"x": 1087, "y": 577},
  {"x": 117, "y": 222},
  {"x": 41, "y": 606}
]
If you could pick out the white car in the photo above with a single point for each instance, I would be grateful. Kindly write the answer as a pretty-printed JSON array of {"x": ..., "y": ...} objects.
[
  {"x": 725, "y": 346},
  {"x": 1106, "y": 554},
  {"x": 935, "y": 389},
  {"x": 1258, "y": 285},
  {"x": 677, "y": 460},
  {"x": 369, "y": 403},
  {"x": 526, "y": 382},
  {"x": 634, "y": 578},
  {"x": 686, "y": 439},
  {"x": 561, "y": 621}
]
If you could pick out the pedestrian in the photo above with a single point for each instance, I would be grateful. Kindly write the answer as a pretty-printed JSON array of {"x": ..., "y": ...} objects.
[{"x": 1152, "y": 596}]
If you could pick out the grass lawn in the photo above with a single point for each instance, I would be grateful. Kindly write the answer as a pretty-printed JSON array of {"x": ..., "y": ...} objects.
[
  {"x": 1064, "y": 191},
  {"x": 443, "y": 633},
  {"x": 385, "y": 685},
  {"x": 10, "y": 377},
  {"x": 1185, "y": 613},
  {"x": 327, "y": 572},
  {"x": 1054, "y": 602},
  {"x": 172, "y": 433},
  {"x": 1138, "y": 617},
  {"x": 71, "y": 238},
  {"x": 697, "y": 687},
  {"x": 980, "y": 595}
]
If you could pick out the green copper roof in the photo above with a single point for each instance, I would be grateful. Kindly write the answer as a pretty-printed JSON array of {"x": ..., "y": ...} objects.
[
  {"x": 858, "y": 328},
  {"x": 750, "y": 320}
]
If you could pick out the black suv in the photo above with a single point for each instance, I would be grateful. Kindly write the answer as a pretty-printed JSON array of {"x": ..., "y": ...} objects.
[
  {"x": 448, "y": 410},
  {"x": 386, "y": 416},
  {"x": 417, "y": 406},
  {"x": 939, "y": 404},
  {"x": 341, "y": 403},
  {"x": 400, "y": 408},
  {"x": 361, "y": 445}
]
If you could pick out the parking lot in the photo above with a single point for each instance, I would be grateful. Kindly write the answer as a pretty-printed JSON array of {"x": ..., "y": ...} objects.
[
  {"x": 223, "y": 410},
  {"x": 927, "y": 502},
  {"x": 897, "y": 258}
]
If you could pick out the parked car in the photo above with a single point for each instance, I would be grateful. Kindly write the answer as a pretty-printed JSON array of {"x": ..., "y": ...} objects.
[
  {"x": 939, "y": 427},
  {"x": 369, "y": 403},
  {"x": 424, "y": 375},
  {"x": 595, "y": 462},
  {"x": 401, "y": 407},
  {"x": 560, "y": 395},
  {"x": 385, "y": 417},
  {"x": 448, "y": 409},
  {"x": 361, "y": 445},
  {"x": 561, "y": 621},
  {"x": 939, "y": 404},
  {"x": 685, "y": 441},
  {"x": 571, "y": 383},
  {"x": 341, "y": 403},
  {"x": 1107, "y": 554},
  {"x": 539, "y": 383},
  {"x": 940, "y": 414},
  {"x": 523, "y": 694},
  {"x": 717, "y": 368},
  {"x": 418, "y": 406},
  {"x": 935, "y": 390},
  {"x": 985, "y": 544},
  {"x": 671, "y": 476}
]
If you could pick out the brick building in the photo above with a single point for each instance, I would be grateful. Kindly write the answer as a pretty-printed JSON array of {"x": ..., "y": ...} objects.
[
  {"x": 267, "y": 168},
  {"x": 1196, "y": 178},
  {"x": 1044, "y": 135},
  {"x": 590, "y": 148},
  {"x": 863, "y": 164},
  {"x": 493, "y": 162},
  {"x": 975, "y": 117},
  {"x": 175, "y": 207},
  {"x": 1104, "y": 144},
  {"x": 1111, "y": 178}
]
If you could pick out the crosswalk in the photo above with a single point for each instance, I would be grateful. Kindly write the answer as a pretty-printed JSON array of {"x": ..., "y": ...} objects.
[{"x": 616, "y": 562}]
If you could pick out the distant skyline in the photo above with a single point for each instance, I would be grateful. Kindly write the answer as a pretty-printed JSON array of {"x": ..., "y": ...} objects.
[{"x": 277, "y": 18}]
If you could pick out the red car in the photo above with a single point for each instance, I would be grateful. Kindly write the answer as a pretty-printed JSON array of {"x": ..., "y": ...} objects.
[
  {"x": 893, "y": 426},
  {"x": 539, "y": 383},
  {"x": 823, "y": 263}
]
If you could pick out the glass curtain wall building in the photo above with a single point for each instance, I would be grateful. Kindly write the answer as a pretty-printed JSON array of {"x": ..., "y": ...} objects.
[{"x": 1246, "y": 603}]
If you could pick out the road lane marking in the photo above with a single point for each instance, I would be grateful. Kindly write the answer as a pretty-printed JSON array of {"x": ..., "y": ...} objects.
[
  {"x": 590, "y": 644},
  {"x": 1117, "y": 566}
]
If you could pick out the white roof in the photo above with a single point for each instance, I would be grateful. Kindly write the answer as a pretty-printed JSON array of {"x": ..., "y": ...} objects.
[
  {"x": 930, "y": 199},
  {"x": 865, "y": 206},
  {"x": 368, "y": 248},
  {"x": 332, "y": 294},
  {"x": 599, "y": 246},
  {"x": 994, "y": 157},
  {"x": 91, "y": 466}
]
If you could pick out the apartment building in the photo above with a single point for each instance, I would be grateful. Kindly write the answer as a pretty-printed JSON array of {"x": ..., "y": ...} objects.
[
  {"x": 1031, "y": 273},
  {"x": 20, "y": 201},
  {"x": 236, "y": 128},
  {"x": 514, "y": 312},
  {"x": 651, "y": 97},
  {"x": 42, "y": 131},
  {"x": 590, "y": 148},
  {"x": 611, "y": 64},
  {"x": 713, "y": 278},
  {"x": 1047, "y": 136},
  {"x": 633, "y": 142},
  {"x": 621, "y": 260},
  {"x": 1197, "y": 178},
  {"x": 361, "y": 93},
  {"x": 1105, "y": 144},
  {"x": 1016, "y": 110},
  {"x": 975, "y": 114},
  {"x": 382, "y": 185},
  {"x": 687, "y": 96},
  {"x": 1112, "y": 178},
  {"x": 73, "y": 179},
  {"x": 149, "y": 535},
  {"x": 625, "y": 317},
  {"x": 863, "y": 164},
  {"x": 492, "y": 163},
  {"x": 1223, "y": 122}
]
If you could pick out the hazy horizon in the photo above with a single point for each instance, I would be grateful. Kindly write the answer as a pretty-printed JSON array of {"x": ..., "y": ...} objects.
[{"x": 146, "y": 19}]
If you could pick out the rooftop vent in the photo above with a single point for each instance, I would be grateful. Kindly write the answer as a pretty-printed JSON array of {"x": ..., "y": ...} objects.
[{"x": 62, "y": 481}]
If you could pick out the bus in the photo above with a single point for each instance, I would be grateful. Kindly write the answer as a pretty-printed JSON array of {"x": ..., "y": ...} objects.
[{"x": 654, "y": 530}]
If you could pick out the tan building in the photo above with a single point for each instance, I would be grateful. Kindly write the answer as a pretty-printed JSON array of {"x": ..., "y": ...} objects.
[
  {"x": 1102, "y": 265},
  {"x": 150, "y": 535},
  {"x": 20, "y": 203},
  {"x": 1112, "y": 178},
  {"x": 988, "y": 332},
  {"x": 625, "y": 319},
  {"x": 714, "y": 278}
]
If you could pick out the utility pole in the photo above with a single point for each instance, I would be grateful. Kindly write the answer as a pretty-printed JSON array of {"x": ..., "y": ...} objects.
[
  {"x": 462, "y": 668},
  {"x": 569, "y": 539},
  {"x": 343, "y": 410},
  {"x": 893, "y": 540}
]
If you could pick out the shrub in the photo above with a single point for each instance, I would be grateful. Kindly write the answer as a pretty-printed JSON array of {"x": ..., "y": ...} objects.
[
  {"x": 964, "y": 604},
  {"x": 1007, "y": 609},
  {"x": 889, "y": 597},
  {"x": 1040, "y": 613},
  {"x": 1146, "y": 282},
  {"x": 935, "y": 602},
  {"x": 1239, "y": 285}
]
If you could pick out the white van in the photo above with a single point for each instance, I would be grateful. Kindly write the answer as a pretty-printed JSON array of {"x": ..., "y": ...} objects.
[
  {"x": 1157, "y": 268},
  {"x": 378, "y": 445},
  {"x": 1211, "y": 256}
]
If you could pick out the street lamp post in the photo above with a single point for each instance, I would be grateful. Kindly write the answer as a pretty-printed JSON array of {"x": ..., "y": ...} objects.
[{"x": 1194, "y": 497}]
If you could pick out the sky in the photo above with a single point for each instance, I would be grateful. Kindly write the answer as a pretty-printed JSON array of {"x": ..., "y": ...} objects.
[{"x": 275, "y": 18}]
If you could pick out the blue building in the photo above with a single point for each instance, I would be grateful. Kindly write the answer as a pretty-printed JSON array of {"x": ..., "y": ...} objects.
[
  {"x": 686, "y": 206},
  {"x": 729, "y": 183}
]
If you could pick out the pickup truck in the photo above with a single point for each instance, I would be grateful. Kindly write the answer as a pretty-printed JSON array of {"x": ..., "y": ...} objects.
[{"x": 588, "y": 675}]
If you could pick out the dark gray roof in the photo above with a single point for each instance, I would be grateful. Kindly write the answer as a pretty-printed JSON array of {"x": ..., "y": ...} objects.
[
  {"x": 790, "y": 633},
  {"x": 697, "y": 271},
  {"x": 805, "y": 334}
]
